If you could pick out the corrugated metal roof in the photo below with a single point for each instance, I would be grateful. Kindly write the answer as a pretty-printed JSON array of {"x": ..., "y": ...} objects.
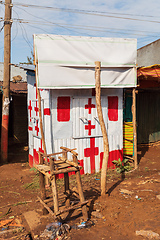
[
  {"x": 15, "y": 71},
  {"x": 16, "y": 87}
]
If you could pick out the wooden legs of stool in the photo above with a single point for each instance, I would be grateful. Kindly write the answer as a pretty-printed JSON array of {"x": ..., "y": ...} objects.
[
  {"x": 42, "y": 185},
  {"x": 80, "y": 190},
  {"x": 66, "y": 189},
  {"x": 81, "y": 196},
  {"x": 66, "y": 183},
  {"x": 42, "y": 190},
  {"x": 54, "y": 187},
  {"x": 55, "y": 194}
]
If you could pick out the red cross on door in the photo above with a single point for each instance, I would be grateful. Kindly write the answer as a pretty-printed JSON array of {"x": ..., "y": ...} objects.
[
  {"x": 89, "y": 127},
  {"x": 41, "y": 147},
  {"x": 36, "y": 127},
  {"x": 36, "y": 108},
  {"x": 30, "y": 110},
  {"x": 91, "y": 152},
  {"x": 89, "y": 106}
]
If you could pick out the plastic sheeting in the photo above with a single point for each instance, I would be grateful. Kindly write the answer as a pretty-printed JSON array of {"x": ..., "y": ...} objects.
[
  {"x": 69, "y": 62},
  {"x": 149, "y": 72}
]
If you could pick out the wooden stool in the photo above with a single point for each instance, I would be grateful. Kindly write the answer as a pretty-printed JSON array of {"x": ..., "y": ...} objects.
[{"x": 50, "y": 170}]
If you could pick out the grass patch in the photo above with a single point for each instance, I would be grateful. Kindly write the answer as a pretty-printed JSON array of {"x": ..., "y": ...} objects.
[{"x": 34, "y": 184}]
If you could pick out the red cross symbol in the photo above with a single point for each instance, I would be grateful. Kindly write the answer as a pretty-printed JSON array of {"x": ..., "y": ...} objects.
[
  {"x": 89, "y": 106},
  {"x": 36, "y": 127},
  {"x": 89, "y": 127},
  {"x": 30, "y": 128},
  {"x": 36, "y": 108},
  {"x": 30, "y": 109},
  {"x": 41, "y": 147},
  {"x": 91, "y": 152}
]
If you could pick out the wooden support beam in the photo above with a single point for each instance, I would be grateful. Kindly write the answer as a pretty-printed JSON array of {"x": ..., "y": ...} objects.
[
  {"x": 54, "y": 191},
  {"x": 70, "y": 150},
  {"x": 46, "y": 207},
  {"x": 69, "y": 162},
  {"x": 6, "y": 82},
  {"x": 66, "y": 182},
  {"x": 79, "y": 205},
  {"x": 80, "y": 191},
  {"x": 51, "y": 154},
  {"x": 134, "y": 127},
  {"x": 42, "y": 185},
  {"x": 40, "y": 118},
  {"x": 103, "y": 128}
]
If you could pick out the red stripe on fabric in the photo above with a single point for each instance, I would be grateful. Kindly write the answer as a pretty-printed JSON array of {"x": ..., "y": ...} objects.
[
  {"x": 113, "y": 155},
  {"x": 113, "y": 108},
  {"x": 47, "y": 111},
  {"x": 30, "y": 160},
  {"x": 35, "y": 156},
  {"x": 63, "y": 109},
  {"x": 30, "y": 128}
]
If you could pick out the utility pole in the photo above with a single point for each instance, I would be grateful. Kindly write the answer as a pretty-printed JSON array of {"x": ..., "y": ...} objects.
[{"x": 6, "y": 81}]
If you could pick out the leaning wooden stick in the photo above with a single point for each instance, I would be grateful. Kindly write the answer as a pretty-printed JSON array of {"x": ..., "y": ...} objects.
[
  {"x": 103, "y": 128},
  {"x": 40, "y": 118},
  {"x": 40, "y": 113}
]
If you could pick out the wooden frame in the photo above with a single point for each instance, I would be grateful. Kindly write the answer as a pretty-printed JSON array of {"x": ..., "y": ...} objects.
[{"x": 63, "y": 165}]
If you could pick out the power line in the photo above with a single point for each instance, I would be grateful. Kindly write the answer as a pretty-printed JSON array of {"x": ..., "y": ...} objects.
[
  {"x": 88, "y": 12},
  {"x": 80, "y": 10},
  {"x": 87, "y": 28},
  {"x": 26, "y": 38},
  {"x": 58, "y": 25},
  {"x": 74, "y": 26},
  {"x": 16, "y": 29},
  {"x": 2, "y": 28},
  {"x": 22, "y": 28}
]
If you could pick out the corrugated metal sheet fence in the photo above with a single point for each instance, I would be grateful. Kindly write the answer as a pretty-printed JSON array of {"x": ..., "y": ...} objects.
[{"x": 148, "y": 116}]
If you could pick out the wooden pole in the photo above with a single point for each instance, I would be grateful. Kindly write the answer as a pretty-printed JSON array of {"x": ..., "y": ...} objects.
[
  {"x": 66, "y": 182},
  {"x": 40, "y": 112},
  {"x": 40, "y": 118},
  {"x": 103, "y": 128},
  {"x": 134, "y": 127},
  {"x": 6, "y": 82},
  {"x": 80, "y": 190},
  {"x": 42, "y": 185}
]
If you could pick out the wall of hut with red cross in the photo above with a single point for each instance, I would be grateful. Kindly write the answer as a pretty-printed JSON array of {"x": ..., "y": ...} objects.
[{"x": 70, "y": 119}]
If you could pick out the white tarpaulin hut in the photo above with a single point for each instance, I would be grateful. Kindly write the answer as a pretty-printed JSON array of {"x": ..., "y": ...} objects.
[{"x": 65, "y": 73}]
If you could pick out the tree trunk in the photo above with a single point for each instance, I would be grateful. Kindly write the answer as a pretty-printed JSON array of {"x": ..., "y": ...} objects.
[{"x": 103, "y": 128}]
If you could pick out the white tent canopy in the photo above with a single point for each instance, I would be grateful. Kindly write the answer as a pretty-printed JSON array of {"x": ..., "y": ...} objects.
[{"x": 69, "y": 61}]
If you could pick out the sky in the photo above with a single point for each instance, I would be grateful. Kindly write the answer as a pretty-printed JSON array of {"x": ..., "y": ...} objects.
[{"x": 97, "y": 18}]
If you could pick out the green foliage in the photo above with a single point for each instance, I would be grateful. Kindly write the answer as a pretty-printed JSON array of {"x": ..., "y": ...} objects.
[
  {"x": 33, "y": 169},
  {"x": 34, "y": 184},
  {"x": 146, "y": 169},
  {"x": 122, "y": 166}
]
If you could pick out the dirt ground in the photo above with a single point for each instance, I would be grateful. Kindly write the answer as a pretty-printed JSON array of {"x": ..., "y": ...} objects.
[{"x": 131, "y": 204}]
